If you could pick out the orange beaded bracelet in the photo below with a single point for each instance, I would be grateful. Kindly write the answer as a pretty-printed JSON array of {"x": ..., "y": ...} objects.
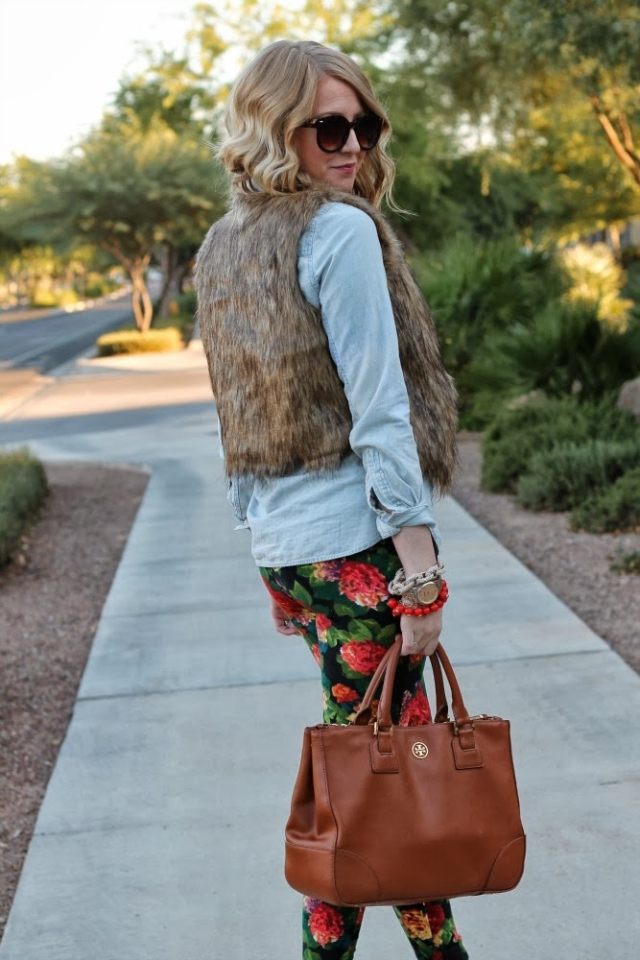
[{"x": 398, "y": 608}]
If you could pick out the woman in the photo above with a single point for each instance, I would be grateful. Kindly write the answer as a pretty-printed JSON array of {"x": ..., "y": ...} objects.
[{"x": 337, "y": 419}]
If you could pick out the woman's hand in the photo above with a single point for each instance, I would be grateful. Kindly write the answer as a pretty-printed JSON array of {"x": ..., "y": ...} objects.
[
  {"x": 279, "y": 616},
  {"x": 417, "y": 551},
  {"x": 420, "y": 634}
]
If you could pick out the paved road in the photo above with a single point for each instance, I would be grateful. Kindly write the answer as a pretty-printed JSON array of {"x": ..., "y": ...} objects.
[{"x": 44, "y": 342}]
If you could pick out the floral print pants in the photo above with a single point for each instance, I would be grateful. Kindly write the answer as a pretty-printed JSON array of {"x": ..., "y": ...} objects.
[{"x": 339, "y": 608}]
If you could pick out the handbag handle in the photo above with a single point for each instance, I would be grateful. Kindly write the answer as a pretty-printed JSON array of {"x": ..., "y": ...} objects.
[
  {"x": 363, "y": 714},
  {"x": 458, "y": 707}
]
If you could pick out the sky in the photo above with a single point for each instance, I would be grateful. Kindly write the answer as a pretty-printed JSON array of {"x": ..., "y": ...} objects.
[{"x": 60, "y": 62}]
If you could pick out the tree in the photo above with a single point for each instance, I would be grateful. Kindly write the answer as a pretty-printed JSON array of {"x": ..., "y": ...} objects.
[
  {"x": 127, "y": 190},
  {"x": 496, "y": 59}
]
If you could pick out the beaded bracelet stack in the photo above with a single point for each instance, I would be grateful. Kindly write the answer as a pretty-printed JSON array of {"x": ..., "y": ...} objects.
[{"x": 426, "y": 592}]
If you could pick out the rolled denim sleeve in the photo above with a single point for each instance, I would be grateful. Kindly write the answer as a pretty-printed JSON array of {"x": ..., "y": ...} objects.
[{"x": 353, "y": 296}]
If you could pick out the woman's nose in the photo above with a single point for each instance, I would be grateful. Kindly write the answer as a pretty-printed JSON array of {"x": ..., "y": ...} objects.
[{"x": 352, "y": 145}]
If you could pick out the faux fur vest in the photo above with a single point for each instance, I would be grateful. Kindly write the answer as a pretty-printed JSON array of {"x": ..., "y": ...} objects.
[{"x": 281, "y": 403}]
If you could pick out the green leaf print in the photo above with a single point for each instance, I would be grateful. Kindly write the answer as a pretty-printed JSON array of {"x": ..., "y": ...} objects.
[
  {"x": 359, "y": 630},
  {"x": 306, "y": 570},
  {"x": 324, "y": 591},
  {"x": 301, "y": 594},
  {"x": 343, "y": 609},
  {"x": 333, "y": 636},
  {"x": 387, "y": 633},
  {"x": 336, "y": 712}
]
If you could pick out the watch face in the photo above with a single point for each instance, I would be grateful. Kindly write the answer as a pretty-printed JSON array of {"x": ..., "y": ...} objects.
[{"x": 428, "y": 592}]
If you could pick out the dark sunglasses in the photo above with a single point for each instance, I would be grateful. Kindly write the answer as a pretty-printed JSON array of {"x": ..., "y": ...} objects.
[{"x": 333, "y": 132}]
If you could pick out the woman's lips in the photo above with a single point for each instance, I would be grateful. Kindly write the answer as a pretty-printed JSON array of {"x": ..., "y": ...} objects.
[{"x": 346, "y": 167}]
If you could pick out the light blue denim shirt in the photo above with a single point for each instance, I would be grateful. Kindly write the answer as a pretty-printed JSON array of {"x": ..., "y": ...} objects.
[{"x": 378, "y": 488}]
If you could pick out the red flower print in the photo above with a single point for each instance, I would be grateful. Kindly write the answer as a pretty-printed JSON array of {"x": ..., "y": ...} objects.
[
  {"x": 328, "y": 569},
  {"x": 363, "y": 583},
  {"x": 317, "y": 656},
  {"x": 344, "y": 694},
  {"x": 325, "y": 924},
  {"x": 323, "y": 623},
  {"x": 291, "y": 607},
  {"x": 438, "y": 955},
  {"x": 415, "y": 709},
  {"x": 437, "y": 916},
  {"x": 362, "y": 656}
]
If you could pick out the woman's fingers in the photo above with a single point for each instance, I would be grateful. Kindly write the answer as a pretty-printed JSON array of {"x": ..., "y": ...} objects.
[
  {"x": 281, "y": 620},
  {"x": 420, "y": 634}
]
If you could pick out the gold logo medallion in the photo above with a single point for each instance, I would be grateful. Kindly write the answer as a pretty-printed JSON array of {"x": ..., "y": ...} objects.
[{"x": 419, "y": 749}]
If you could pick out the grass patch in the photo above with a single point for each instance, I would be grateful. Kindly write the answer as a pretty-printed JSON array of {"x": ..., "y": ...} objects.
[
  {"x": 627, "y": 563},
  {"x": 23, "y": 487},
  {"x": 133, "y": 341}
]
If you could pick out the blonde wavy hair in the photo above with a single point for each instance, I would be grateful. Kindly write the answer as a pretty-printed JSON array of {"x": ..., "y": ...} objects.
[{"x": 273, "y": 95}]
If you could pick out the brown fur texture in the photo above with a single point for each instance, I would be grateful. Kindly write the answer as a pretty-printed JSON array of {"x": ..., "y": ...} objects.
[{"x": 281, "y": 403}]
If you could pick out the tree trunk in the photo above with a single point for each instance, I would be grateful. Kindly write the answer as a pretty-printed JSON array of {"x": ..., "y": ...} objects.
[
  {"x": 169, "y": 288},
  {"x": 618, "y": 132},
  {"x": 140, "y": 300}
]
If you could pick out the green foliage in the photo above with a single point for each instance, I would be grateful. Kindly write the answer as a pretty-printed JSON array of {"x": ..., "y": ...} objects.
[
  {"x": 569, "y": 473},
  {"x": 43, "y": 299},
  {"x": 47, "y": 298},
  {"x": 564, "y": 349},
  {"x": 476, "y": 288},
  {"x": 516, "y": 434},
  {"x": 615, "y": 508},
  {"x": 133, "y": 341},
  {"x": 596, "y": 276},
  {"x": 627, "y": 563},
  {"x": 23, "y": 486}
]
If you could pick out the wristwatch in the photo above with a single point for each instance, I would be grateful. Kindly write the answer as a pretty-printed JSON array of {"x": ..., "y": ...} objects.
[{"x": 423, "y": 595}]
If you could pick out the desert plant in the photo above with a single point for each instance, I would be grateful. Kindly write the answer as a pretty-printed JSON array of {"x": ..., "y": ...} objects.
[
  {"x": 564, "y": 350},
  {"x": 23, "y": 486},
  {"x": 516, "y": 434},
  {"x": 615, "y": 508},
  {"x": 569, "y": 473},
  {"x": 597, "y": 277}
]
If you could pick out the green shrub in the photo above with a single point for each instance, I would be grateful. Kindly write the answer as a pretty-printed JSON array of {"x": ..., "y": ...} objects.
[
  {"x": 569, "y": 473},
  {"x": 43, "y": 299},
  {"x": 564, "y": 350},
  {"x": 65, "y": 298},
  {"x": 133, "y": 341},
  {"x": 627, "y": 562},
  {"x": 475, "y": 288},
  {"x": 23, "y": 486},
  {"x": 516, "y": 434},
  {"x": 615, "y": 508}
]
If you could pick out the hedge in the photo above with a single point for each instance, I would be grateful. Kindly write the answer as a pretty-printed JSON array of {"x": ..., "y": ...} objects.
[
  {"x": 570, "y": 473},
  {"x": 23, "y": 487},
  {"x": 615, "y": 508},
  {"x": 133, "y": 341}
]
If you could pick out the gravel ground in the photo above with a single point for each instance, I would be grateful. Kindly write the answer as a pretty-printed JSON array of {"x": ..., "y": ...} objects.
[
  {"x": 72, "y": 553},
  {"x": 574, "y": 565},
  {"x": 51, "y": 597}
]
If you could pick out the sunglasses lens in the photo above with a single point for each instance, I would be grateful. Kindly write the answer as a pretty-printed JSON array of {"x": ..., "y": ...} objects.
[
  {"x": 368, "y": 130},
  {"x": 332, "y": 133}
]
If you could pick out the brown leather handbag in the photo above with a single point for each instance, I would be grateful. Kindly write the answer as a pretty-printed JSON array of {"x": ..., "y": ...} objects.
[{"x": 383, "y": 814}]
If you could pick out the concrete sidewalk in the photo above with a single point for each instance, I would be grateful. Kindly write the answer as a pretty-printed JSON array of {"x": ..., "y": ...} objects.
[{"x": 161, "y": 832}]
